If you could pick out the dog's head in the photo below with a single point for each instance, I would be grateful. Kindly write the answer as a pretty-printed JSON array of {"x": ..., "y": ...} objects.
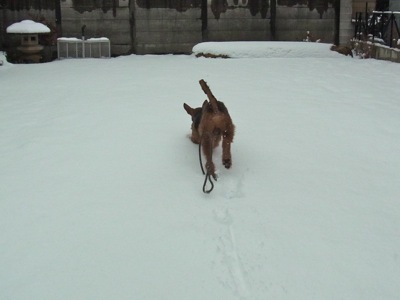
[{"x": 195, "y": 113}]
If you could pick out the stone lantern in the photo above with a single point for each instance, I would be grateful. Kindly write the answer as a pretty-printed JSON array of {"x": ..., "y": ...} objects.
[{"x": 29, "y": 31}]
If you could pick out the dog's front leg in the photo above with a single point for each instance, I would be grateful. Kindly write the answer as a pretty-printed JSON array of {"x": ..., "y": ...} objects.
[{"x": 195, "y": 137}]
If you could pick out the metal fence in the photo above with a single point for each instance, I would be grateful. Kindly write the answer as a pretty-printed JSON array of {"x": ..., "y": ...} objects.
[
  {"x": 378, "y": 25},
  {"x": 81, "y": 48}
]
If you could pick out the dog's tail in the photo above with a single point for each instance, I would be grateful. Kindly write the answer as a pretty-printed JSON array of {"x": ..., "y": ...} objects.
[{"x": 207, "y": 91}]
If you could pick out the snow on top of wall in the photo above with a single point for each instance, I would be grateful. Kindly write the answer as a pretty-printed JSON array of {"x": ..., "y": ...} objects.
[
  {"x": 101, "y": 39},
  {"x": 28, "y": 26},
  {"x": 69, "y": 39}
]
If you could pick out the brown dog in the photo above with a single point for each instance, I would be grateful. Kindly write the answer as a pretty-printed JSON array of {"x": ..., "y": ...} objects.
[
  {"x": 342, "y": 50},
  {"x": 210, "y": 123}
]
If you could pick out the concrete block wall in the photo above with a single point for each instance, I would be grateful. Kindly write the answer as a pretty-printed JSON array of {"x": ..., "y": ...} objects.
[
  {"x": 390, "y": 54},
  {"x": 175, "y": 26},
  {"x": 237, "y": 24},
  {"x": 292, "y": 24},
  {"x": 113, "y": 24},
  {"x": 165, "y": 30}
]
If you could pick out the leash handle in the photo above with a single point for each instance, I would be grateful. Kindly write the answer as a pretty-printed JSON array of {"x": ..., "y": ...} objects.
[{"x": 208, "y": 177}]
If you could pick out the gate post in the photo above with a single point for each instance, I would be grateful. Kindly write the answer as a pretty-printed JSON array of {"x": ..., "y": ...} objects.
[{"x": 346, "y": 29}]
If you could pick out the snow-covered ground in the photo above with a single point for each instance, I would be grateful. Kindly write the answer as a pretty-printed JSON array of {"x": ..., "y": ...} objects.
[{"x": 101, "y": 190}]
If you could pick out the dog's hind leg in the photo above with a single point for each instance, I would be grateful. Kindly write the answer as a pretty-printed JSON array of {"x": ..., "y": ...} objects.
[
  {"x": 226, "y": 148},
  {"x": 207, "y": 145}
]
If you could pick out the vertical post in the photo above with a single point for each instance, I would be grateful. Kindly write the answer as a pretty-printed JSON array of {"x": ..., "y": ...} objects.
[
  {"x": 391, "y": 30},
  {"x": 356, "y": 26},
  {"x": 83, "y": 41},
  {"x": 373, "y": 26},
  {"x": 337, "y": 22},
  {"x": 204, "y": 20},
  {"x": 396, "y": 26},
  {"x": 366, "y": 16},
  {"x": 132, "y": 23},
  {"x": 345, "y": 25},
  {"x": 273, "y": 20},
  {"x": 58, "y": 16}
]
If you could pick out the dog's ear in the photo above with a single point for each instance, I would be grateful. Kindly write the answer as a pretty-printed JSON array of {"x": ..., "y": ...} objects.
[{"x": 188, "y": 109}]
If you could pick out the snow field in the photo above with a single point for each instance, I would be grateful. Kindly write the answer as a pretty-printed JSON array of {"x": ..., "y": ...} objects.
[{"x": 101, "y": 188}]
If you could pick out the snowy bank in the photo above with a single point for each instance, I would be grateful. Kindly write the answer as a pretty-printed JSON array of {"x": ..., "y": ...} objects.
[
  {"x": 3, "y": 61},
  {"x": 265, "y": 49}
]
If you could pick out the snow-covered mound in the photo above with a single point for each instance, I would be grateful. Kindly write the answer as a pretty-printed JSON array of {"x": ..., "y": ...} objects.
[
  {"x": 265, "y": 49},
  {"x": 3, "y": 61}
]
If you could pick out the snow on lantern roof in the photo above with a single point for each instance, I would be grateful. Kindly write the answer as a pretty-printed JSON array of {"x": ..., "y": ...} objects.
[{"x": 27, "y": 27}]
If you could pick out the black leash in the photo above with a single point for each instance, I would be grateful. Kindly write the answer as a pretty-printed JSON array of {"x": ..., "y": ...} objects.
[{"x": 208, "y": 175}]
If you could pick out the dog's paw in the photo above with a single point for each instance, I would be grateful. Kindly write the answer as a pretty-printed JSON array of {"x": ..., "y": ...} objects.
[
  {"x": 227, "y": 163},
  {"x": 211, "y": 169}
]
